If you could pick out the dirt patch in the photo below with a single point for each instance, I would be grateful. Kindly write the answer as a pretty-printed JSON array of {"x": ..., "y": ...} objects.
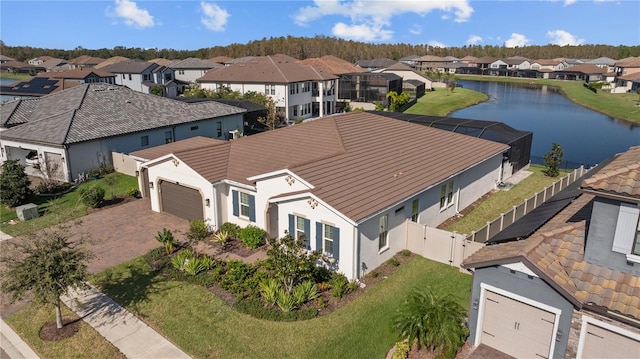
[{"x": 50, "y": 332}]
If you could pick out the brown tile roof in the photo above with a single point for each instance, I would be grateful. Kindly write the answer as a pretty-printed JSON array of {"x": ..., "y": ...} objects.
[
  {"x": 630, "y": 77},
  {"x": 548, "y": 62},
  {"x": 430, "y": 58},
  {"x": 178, "y": 146},
  {"x": 347, "y": 158},
  {"x": 220, "y": 59},
  {"x": 111, "y": 61},
  {"x": 331, "y": 64},
  {"x": 86, "y": 60},
  {"x": 275, "y": 69},
  {"x": 161, "y": 62},
  {"x": 620, "y": 177},
  {"x": 76, "y": 74},
  {"x": 629, "y": 62},
  {"x": 586, "y": 69}
]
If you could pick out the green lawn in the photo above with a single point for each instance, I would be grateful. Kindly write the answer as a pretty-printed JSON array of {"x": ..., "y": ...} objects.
[
  {"x": 87, "y": 343},
  {"x": 442, "y": 102},
  {"x": 54, "y": 210},
  {"x": 622, "y": 106},
  {"x": 17, "y": 77},
  {"x": 205, "y": 327},
  {"x": 503, "y": 201}
]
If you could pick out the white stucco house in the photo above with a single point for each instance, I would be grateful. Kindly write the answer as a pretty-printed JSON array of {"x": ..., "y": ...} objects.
[
  {"x": 80, "y": 127},
  {"x": 299, "y": 91},
  {"x": 342, "y": 181}
]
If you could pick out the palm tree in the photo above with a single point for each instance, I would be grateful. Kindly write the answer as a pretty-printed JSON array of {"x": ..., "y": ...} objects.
[{"x": 434, "y": 321}]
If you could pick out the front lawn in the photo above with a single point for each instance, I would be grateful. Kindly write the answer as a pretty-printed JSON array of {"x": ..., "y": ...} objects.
[
  {"x": 204, "y": 326},
  {"x": 59, "y": 209},
  {"x": 442, "y": 102}
]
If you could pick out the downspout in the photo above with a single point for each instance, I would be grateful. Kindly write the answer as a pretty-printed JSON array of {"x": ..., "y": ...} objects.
[
  {"x": 356, "y": 253},
  {"x": 67, "y": 162}
]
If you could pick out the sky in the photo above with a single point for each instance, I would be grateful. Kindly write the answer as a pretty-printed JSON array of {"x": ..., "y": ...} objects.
[{"x": 196, "y": 24}]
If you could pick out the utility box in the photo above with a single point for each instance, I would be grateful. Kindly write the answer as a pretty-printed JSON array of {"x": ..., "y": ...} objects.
[{"x": 27, "y": 211}]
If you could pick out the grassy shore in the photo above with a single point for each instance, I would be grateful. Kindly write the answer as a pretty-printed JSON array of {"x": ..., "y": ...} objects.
[
  {"x": 623, "y": 106},
  {"x": 442, "y": 102},
  {"x": 17, "y": 77}
]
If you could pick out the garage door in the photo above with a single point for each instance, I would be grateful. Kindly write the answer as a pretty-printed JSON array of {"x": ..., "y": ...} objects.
[
  {"x": 516, "y": 328},
  {"x": 603, "y": 343},
  {"x": 181, "y": 201}
]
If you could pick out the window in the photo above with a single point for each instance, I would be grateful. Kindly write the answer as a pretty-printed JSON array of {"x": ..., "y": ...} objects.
[
  {"x": 144, "y": 141},
  {"x": 269, "y": 89},
  {"x": 193, "y": 128},
  {"x": 219, "y": 128},
  {"x": 146, "y": 77},
  {"x": 129, "y": 77},
  {"x": 292, "y": 89},
  {"x": 123, "y": 76},
  {"x": 168, "y": 137},
  {"x": 382, "y": 237},
  {"x": 181, "y": 72},
  {"x": 446, "y": 195},
  {"x": 415, "y": 210},
  {"x": 244, "y": 204},
  {"x": 328, "y": 240},
  {"x": 295, "y": 111},
  {"x": 399, "y": 210},
  {"x": 626, "y": 239},
  {"x": 301, "y": 230},
  {"x": 636, "y": 244}
]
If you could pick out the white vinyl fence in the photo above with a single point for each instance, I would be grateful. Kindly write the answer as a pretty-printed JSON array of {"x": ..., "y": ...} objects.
[{"x": 124, "y": 163}]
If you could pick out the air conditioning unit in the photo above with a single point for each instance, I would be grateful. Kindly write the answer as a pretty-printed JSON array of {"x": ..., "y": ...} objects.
[{"x": 234, "y": 135}]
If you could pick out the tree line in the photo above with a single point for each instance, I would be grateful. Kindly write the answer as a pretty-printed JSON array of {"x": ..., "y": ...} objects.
[{"x": 352, "y": 51}]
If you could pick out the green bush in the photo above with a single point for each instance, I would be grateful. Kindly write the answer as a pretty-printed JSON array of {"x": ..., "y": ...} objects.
[
  {"x": 234, "y": 275},
  {"x": 166, "y": 238},
  {"x": 197, "y": 230},
  {"x": 405, "y": 253},
  {"x": 321, "y": 274},
  {"x": 193, "y": 266},
  {"x": 338, "y": 285},
  {"x": 269, "y": 290},
  {"x": 51, "y": 187},
  {"x": 393, "y": 261},
  {"x": 252, "y": 236},
  {"x": 133, "y": 192},
  {"x": 305, "y": 292},
  {"x": 181, "y": 259},
  {"x": 286, "y": 301},
  {"x": 402, "y": 350},
  {"x": 92, "y": 197},
  {"x": 221, "y": 237},
  {"x": 231, "y": 228}
]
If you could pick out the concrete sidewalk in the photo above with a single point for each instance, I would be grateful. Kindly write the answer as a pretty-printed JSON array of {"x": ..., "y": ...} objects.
[
  {"x": 125, "y": 331},
  {"x": 13, "y": 345}
]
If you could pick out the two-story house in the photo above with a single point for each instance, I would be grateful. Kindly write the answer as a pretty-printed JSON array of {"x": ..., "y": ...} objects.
[
  {"x": 343, "y": 181},
  {"x": 191, "y": 69},
  {"x": 143, "y": 76},
  {"x": 299, "y": 91},
  {"x": 572, "y": 289}
]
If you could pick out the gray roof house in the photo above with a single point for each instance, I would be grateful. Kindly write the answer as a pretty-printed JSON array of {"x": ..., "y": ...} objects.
[
  {"x": 143, "y": 76},
  {"x": 78, "y": 128},
  {"x": 317, "y": 178},
  {"x": 190, "y": 69},
  {"x": 571, "y": 289}
]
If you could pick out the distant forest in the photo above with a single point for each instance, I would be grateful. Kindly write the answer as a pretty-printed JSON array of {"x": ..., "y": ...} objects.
[{"x": 352, "y": 51}]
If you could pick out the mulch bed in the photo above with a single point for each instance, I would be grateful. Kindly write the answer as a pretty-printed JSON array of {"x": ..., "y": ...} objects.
[{"x": 50, "y": 332}]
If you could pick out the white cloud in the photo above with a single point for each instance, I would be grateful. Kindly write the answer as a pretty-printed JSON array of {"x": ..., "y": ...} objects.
[
  {"x": 215, "y": 18},
  {"x": 434, "y": 43},
  {"x": 132, "y": 14},
  {"x": 562, "y": 38},
  {"x": 516, "y": 40},
  {"x": 361, "y": 32},
  {"x": 416, "y": 29},
  {"x": 377, "y": 15},
  {"x": 474, "y": 40},
  {"x": 569, "y": 2}
]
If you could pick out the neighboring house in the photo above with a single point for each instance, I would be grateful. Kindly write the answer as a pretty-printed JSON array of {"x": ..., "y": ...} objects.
[
  {"x": 482, "y": 65},
  {"x": 34, "y": 87},
  {"x": 331, "y": 64},
  {"x": 143, "y": 76},
  {"x": 191, "y": 69},
  {"x": 250, "y": 118},
  {"x": 409, "y": 61},
  {"x": 346, "y": 182},
  {"x": 606, "y": 63},
  {"x": 375, "y": 64},
  {"x": 222, "y": 60},
  {"x": 37, "y": 61},
  {"x": 572, "y": 289},
  {"x": 407, "y": 73},
  {"x": 4, "y": 59},
  {"x": 583, "y": 72},
  {"x": 88, "y": 75},
  {"x": 85, "y": 61},
  {"x": 368, "y": 87},
  {"x": 78, "y": 128},
  {"x": 111, "y": 61},
  {"x": 299, "y": 91},
  {"x": 53, "y": 64},
  {"x": 549, "y": 64},
  {"x": 628, "y": 66},
  {"x": 517, "y": 63},
  {"x": 627, "y": 83},
  {"x": 431, "y": 63},
  {"x": 20, "y": 67}
]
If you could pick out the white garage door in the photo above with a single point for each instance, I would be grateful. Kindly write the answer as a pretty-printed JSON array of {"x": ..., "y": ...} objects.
[
  {"x": 602, "y": 343},
  {"x": 516, "y": 328}
]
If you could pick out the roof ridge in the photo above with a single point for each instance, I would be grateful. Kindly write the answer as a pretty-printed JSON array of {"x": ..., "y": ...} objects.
[{"x": 278, "y": 68}]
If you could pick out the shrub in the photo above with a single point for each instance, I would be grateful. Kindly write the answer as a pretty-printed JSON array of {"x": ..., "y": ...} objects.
[
  {"x": 286, "y": 301},
  {"x": 353, "y": 286},
  {"x": 269, "y": 290},
  {"x": 133, "y": 192},
  {"x": 321, "y": 274},
  {"x": 197, "y": 230},
  {"x": 182, "y": 258},
  {"x": 338, "y": 285},
  {"x": 92, "y": 197},
  {"x": 252, "y": 236},
  {"x": 221, "y": 237},
  {"x": 166, "y": 238},
  {"x": 235, "y": 275},
  {"x": 405, "y": 253},
  {"x": 374, "y": 274},
  {"x": 231, "y": 228},
  {"x": 50, "y": 187},
  {"x": 402, "y": 350},
  {"x": 393, "y": 261},
  {"x": 305, "y": 292},
  {"x": 193, "y": 266},
  {"x": 208, "y": 262}
]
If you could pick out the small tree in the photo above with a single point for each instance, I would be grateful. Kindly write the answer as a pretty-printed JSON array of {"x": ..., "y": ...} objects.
[
  {"x": 290, "y": 261},
  {"x": 157, "y": 90},
  {"x": 272, "y": 119},
  {"x": 47, "y": 265},
  {"x": 552, "y": 160},
  {"x": 433, "y": 321},
  {"x": 14, "y": 183},
  {"x": 168, "y": 241}
]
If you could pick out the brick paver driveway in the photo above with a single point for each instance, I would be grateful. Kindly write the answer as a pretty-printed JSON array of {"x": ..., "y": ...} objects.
[{"x": 124, "y": 232}]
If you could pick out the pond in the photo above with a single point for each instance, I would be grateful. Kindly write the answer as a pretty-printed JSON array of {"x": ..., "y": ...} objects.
[{"x": 587, "y": 137}]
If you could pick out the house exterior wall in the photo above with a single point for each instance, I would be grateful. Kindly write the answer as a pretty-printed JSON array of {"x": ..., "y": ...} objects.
[
  {"x": 598, "y": 249},
  {"x": 167, "y": 170},
  {"x": 12, "y": 150},
  {"x": 189, "y": 75},
  {"x": 370, "y": 254},
  {"x": 525, "y": 285}
]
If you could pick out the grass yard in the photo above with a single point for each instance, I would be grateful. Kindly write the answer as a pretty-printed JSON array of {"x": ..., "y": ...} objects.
[
  {"x": 17, "y": 77},
  {"x": 442, "y": 102},
  {"x": 200, "y": 323},
  {"x": 55, "y": 210},
  {"x": 503, "y": 201},
  {"x": 623, "y": 106},
  {"x": 87, "y": 343}
]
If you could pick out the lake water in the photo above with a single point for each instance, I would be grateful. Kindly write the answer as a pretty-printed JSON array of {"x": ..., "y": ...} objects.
[
  {"x": 587, "y": 137},
  {"x": 6, "y": 82}
]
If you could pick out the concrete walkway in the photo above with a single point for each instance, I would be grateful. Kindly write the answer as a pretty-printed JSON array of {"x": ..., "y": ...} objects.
[
  {"x": 125, "y": 331},
  {"x": 12, "y": 345}
]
